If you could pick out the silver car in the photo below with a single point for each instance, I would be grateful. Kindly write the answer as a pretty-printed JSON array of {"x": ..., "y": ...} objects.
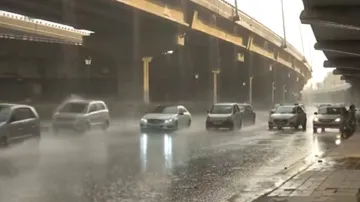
[
  {"x": 328, "y": 117},
  {"x": 224, "y": 115},
  {"x": 291, "y": 116},
  {"x": 81, "y": 116},
  {"x": 166, "y": 118},
  {"x": 18, "y": 123}
]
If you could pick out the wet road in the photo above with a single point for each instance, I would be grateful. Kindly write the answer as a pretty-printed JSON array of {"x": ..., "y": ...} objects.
[{"x": 189, "y": 165}]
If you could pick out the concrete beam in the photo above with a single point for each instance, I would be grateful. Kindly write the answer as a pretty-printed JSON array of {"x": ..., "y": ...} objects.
[
  {"x": 346, "y": 63},
  {"x": 334, "y": 16},
  {"x": 346, "y": 72},
  {"x": 344, "y": 47},
  {"x": 158, "y": 8}
]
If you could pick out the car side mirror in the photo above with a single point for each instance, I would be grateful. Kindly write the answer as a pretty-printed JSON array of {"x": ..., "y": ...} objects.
[
  {"x": 315, "y": 113},
  {"x": 181, "y": 113}
]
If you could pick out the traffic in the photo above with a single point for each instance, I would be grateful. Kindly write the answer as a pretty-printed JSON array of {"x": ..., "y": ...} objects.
[
  {"x": 83, "y": 135},
  {"x": 20, "y": 122}
]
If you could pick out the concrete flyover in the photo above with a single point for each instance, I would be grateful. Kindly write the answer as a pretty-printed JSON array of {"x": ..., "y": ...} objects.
[
  {"x": 13, "y": 26},
  {"x": 157, "y": 50},
  {"x": 336, "y": 94},
  {"x": 336, "y": 27}
]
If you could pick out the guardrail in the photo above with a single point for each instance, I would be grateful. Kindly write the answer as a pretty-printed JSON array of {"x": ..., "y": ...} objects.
[
  {"x": 41, "y": 28},
  {"x": 227, "y": 10}
]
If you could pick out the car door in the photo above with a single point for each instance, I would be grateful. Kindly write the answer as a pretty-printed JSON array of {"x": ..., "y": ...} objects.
[
  {"x": 20, "y": 124},
  {"x": 237, "y": 115},
  {"x": 182, "y": 118},
  {"x": 93, "y": 115},
  {"x": 301, "y": 115},
  {"x": 187, "y": 116},
  {"x": 102, "y": 113},
  {"x": 247, "y": 114}
]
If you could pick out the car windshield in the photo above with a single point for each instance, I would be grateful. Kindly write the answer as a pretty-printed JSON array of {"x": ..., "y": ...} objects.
[
  {"x": 330, "y": 110},
  {"x": 242, "y": 107},
  {"x": 74, "y": 107},
  {"x": 221, "y": 109},
  {"x": 165, "y": 110},
  {"x": 285, "y": 110},
  {"x": 5, "y": 113}
]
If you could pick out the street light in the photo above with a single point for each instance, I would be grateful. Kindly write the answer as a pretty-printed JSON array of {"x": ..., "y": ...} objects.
[
  {"x": 283, "y": 22},
  {"x": 88, "y": 64},
  {"x": 196, "y": 76}
]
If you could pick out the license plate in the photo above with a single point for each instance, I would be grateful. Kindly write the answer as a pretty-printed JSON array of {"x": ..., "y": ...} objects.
[{"x": 217, "y": 122}]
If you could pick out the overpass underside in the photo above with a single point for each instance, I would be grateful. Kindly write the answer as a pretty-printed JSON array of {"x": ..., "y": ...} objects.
[{"x": 140, "y": 57}]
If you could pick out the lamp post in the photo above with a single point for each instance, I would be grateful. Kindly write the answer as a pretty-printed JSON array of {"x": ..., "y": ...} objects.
[
  {"x": 88, "y": 64},
  {"x": 283, "y": 22}
]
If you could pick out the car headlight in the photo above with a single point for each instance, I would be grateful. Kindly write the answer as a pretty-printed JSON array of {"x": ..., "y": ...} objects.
[
  {"x": 337, "y": 120},
  {"x": 143, "y": 120},
  {"x": 316, "y": 119},
  {"x": 170, "y": 120}
]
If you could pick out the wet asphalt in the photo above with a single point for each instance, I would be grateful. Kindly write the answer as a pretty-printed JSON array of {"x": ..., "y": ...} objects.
[{"x": 188, "y": 165}]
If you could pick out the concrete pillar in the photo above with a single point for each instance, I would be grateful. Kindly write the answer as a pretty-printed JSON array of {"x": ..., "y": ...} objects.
[
  {"x": 215, "y": 85},
  {"x": 146, "y": 76}
]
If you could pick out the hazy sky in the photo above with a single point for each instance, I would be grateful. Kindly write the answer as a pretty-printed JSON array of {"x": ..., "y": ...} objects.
[{"x": 268, "y": 12}]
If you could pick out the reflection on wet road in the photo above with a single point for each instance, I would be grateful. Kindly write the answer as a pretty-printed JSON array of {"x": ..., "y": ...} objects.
[{"x": 188, "y": 165}]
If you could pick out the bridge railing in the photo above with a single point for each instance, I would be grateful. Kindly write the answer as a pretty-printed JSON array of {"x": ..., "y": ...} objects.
[{"x": 227, "y": 10}]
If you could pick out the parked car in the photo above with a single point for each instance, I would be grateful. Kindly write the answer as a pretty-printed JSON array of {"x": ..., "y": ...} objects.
[
  {"x": 18, "y": 123},
  {"x": 165, "y": 117},
  {"x": 247, "y": 114},
  {"x": 328, "y": 117},
  {"x": 291, "y": 116},
  {"x": 81, "y": 116},
  {"x": 224, "y": 115}
]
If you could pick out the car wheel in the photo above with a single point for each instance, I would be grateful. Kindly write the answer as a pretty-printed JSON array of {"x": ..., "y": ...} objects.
[
  {"x": 304, "y": 125},
  {"x": 4, "y": 141},
  {"x": 176, "y": 126},
  {"x": 240, "y": 125},
  {"x": 315, "y": 130},
  {"x": 105, "y": 126},
  {"x": 83, "y": 128},
  {"x": 232, "y": 127},
  {"x": 55, "y": 131},
  {"x": 296, "y": 126},
  {"x": 254, "y": 120},
  {"x": 271, "y": 127},
  {"x": 189, "y": 123}
]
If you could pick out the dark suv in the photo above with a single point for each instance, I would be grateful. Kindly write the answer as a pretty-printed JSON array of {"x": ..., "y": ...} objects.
[{"x": 18, "y": 122}]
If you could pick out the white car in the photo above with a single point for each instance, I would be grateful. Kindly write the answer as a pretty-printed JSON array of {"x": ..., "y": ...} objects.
[
  {"x": 224, "y": 115},
  {"x": 166, "y": 118}
]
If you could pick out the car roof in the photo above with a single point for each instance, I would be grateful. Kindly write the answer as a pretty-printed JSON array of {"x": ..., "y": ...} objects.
[
  {"x": 12, "y": 105},
  {"x": 226, "y": 103},
  {"x": 84, "y": 101}
]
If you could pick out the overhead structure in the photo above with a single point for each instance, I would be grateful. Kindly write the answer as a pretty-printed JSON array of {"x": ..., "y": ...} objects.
[
  {"x": 14, "y": 26},
  {"x": 336, "y": 27}
]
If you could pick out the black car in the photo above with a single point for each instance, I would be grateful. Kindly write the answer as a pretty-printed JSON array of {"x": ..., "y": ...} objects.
[
  {"x": 17, "y": 123},
  {"x": 247, "y": 113}
]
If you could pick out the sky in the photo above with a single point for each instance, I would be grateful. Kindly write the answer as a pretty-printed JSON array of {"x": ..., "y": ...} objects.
[{"x": 268, "y": 12}]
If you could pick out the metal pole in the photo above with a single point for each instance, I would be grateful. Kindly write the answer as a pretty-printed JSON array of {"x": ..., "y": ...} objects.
[
  {"x": 250, "y": 89},
  {"x": 236, "y": 11},
  {"x": 283, "y": 22},
  {"x": 273, "y": 93},
  {"x": 215, "y": 88},
  {"x": 284, "y": 93},
  {"x": 88, "y": 78}
]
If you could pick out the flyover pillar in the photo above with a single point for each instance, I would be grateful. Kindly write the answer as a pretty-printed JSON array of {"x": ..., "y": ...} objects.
[{"x": 146, "y": 76}]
